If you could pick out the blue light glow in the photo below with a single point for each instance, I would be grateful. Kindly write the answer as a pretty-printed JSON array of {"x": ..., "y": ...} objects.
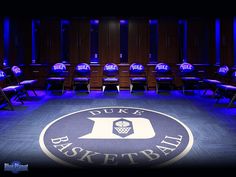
[
  {"x": 153, "y": 22},
  {"x": 94, "y": 22},
  {"x": 123, "y": 22},
  {"x": 217, "y": 40},
  {"x": 6, "y": 40}
]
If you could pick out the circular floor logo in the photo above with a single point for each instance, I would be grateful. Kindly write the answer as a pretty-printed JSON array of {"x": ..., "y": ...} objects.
[{"x": 120, "y": 136}]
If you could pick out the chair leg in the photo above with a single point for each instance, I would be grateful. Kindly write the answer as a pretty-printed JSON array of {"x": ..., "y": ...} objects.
[
  {"x": 63, "y": 88},
  {"x": 34, "y": 92},
  {"x": 204, "y": 93},
  {"x": 118, "y": 88},
  {"x": 103, "y": 88},
  {"x": 183, "y": 89},
  {"x": 145, "y": 87},
  {"x": 157, "y": 87},
  {"x": 8, "y": 101},
  {"x": 131, "y": 88},
  {"x": 88, "y": 86},
  {"x": 232, "y": 101}
]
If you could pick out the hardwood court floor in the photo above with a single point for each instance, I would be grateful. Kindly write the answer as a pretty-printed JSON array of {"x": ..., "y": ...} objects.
[{"x": 213, "y": 125}]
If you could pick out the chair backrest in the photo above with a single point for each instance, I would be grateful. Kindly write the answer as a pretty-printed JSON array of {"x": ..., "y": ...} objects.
[
  {"x": 234, "y": 77},
  {"x": 136, "y": 69},
  {"x": 82, "y": 69},
  {"x": 187, "y": 69},
  {"x": 223, "y": 70},
  {"x": 58, "y": 69},
  {"x": 16, "y": 71},
  {"x": 2, "y": 75},
  {"x": 162, "y": 69},
  {"x": 110, "y": 69}
]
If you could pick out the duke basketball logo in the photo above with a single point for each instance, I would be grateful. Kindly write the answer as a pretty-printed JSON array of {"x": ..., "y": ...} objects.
[
  {"x": 117, "y": 128},
  {"x": 116, "y": 136}
]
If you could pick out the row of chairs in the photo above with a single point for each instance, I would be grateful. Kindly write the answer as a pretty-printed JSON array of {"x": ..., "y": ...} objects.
[
  {"x": 17, "y": 90},
  {"x": 137, "y": 78}
]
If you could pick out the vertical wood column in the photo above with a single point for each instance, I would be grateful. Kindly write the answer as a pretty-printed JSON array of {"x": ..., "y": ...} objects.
[
  {"x": 138, "y": 42},
  {"x": 168, "y": 44},
  {"x": 109, "y": 41},
  {"x": 226, "y": 41},
  {"x": 50, "y": 41}
]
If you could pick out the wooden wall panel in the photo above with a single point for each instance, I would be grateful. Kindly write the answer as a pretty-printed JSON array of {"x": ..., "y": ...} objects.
[
  {"x": 84, "y": 41},
  {"x": 198, "y": 41},
  {"x": 49, "y": 41},
  {"x": 212, "y": 47},
  {"x": 138, "y": 42},
  {"x": 168, "y": 44},
  {"x": 226, "y": 41},
  {"x": 79, "y": 41},
  {"x": 74, "y": 41},
  {"x": 109, "y": 41}
]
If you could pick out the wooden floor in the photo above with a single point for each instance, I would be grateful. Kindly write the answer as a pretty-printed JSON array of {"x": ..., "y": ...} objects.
[{"x": 213, "y": 125}]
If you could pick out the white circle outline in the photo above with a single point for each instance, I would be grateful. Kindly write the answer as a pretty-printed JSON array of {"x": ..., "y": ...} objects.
[{"x": 53, "y": 157}]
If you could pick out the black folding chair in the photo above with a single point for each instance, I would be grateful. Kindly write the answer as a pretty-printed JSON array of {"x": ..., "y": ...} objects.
[
  {"x": 82, "y": 76},
  {"x": 28, "y": 84},
  {"x": 163, "y": 76},
  {"x": 227, "y": 91},
  {"x": 8, "y": 92},
  {"x": 219, "y": 78},
  {"x": 110, "y": 72},
  {"x": 188, "y": 77},
  {"x": 137, "y": 76},
  {"x": 56, "y": 80}
]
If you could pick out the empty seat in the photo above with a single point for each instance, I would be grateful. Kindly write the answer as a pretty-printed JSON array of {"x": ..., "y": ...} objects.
[
  {"x": 56, "y": 80},
  {"x": 221, "y": 75},
  {"x": 8, "y": 92},
  {"x": 110, "y": 72},
  {"x": 137, "y": 76},
  {"x": 227, "y": 91},
  {"x": 163, "y": 76},
  {"x": 188, "y": 77},
  {"x": 82, "y": 76},
  {"x": 28, "y": 84}
]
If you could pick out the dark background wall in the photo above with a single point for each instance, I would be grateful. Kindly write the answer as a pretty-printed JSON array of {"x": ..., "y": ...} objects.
[{"x": 72, "y": 43}]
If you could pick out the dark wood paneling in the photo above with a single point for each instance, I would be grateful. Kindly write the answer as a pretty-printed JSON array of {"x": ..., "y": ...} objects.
[
  {"x": 198, "y": 41},
  {"x": 109, "y": 41},
  {"x": 138, "y": 42},
  {"x": 1, "y": 42},
  {"x": 84, "y": 41},
  {"x": 226, "y": 42},
  {"x": 49, "y": 46},
  {"x": 96, "y": 76},
  {"x": 212, "y": 47},
  {"x": 124, "y": 80},
  {"x": 20, "y": 41},
  {"x": 168, "y": 44},
  {"x": 79, "y": 41}
]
